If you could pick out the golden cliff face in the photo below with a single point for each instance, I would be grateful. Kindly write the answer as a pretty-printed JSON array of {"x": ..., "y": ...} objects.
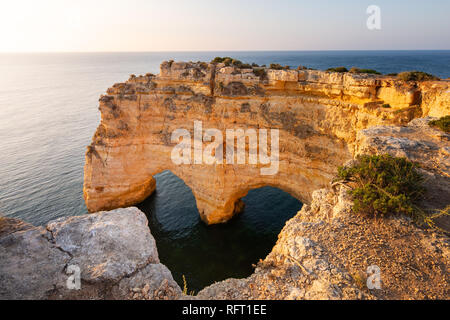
[{"x": 318, "y": 115}]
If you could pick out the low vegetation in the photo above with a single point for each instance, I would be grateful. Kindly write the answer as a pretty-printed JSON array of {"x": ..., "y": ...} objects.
[
  {"x": 401, "y": 110},
  {"x": 386, "y": 105},
  {"x": 185, "y": 289},
  {"x": 228, "y": 61},
  {"x": 277, "y": 66},
  {"x": 260, "y": 72},
  {"x": 405, "y": 76},
  {"x": 416, "y": 76},
  {"x": 442, "y": 123},
  {"x": 384, "y": 185},
  {"x": 338, "y": 69},
  {"x": 368, "y": 71}
]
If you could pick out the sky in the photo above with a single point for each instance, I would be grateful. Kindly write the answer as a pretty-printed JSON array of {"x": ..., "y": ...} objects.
[{"x": 210, "y": 25}]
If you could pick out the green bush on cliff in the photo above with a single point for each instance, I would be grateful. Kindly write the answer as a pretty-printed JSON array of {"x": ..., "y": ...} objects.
[
  {"x": 368, "y": 71},
  {"x": 442, "y": 123},
  {"x": 338, "y": 69},
  {"x": 185, "y": 288},
  {"x": 228, "y": 61},
  {"x": 219, "y": 59},
  {"x": 277, "y": 66},
  {"x": 384, "y": 185},
  {"x": 416, "y": 76},
  {"x": 260, "y": 72}
]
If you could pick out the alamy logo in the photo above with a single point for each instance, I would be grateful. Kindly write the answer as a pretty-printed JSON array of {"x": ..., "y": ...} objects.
[
  {"x": 374, "y": 277},
  {"x": 74, "y": 280},
  {"x": 374, "y": 20},
  {"x": 258, "y": 148}
]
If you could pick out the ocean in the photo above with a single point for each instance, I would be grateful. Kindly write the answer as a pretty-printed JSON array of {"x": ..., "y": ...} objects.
[{"x": 49, "y": 112}]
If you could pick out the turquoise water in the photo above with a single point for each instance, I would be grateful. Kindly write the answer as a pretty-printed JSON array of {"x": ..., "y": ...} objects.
[{"x": 49, "y": 112}]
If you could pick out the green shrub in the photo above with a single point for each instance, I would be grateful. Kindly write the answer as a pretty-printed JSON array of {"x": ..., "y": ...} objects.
[
  {"x": 232, "y": 62},
  {"x": 277, "y": 66},
  {"x": 416, "y": 76},
  {"x": 220, "y": 59},
  {"x": 227, "y": 61},
  {"x": 442, "y": 123},
  {"x": 246, "y": 66},
  {"x": 384, "y": 185},
  {"x": 386, "y": 105},
  {"x": 338, "y": 69},
  {"x": 236, "y": 63},
  {"x": 369, "y": 71},
  {"x": 260, "y": 72}
]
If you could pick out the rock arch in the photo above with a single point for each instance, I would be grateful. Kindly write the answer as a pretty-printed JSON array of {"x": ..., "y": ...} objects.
[{"x": 317, "y": 114}]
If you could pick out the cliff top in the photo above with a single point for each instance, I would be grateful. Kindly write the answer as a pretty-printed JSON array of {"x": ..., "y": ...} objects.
[
  {"x": 387, "y": 92},
  {"x": 200, "y": 69}
]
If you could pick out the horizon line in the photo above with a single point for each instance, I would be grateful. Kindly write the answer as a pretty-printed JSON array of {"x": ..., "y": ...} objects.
[{"x": 192, "y": 51}]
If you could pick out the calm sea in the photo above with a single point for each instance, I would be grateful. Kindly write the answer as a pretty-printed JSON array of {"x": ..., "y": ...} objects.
[{"x": 48, "y": 114}]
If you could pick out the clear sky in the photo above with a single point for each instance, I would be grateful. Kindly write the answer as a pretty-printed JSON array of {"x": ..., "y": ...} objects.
[{"x": 196, "y": 25}]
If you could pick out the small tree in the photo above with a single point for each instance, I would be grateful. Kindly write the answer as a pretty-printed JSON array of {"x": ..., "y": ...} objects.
[{"x": 442, "y": 123}]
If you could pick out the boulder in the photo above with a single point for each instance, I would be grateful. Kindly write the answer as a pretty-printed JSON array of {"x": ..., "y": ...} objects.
[{"x": 113, "y": 250}]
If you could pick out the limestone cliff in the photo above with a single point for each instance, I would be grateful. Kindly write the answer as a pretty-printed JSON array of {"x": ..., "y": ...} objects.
[{"x": 318, "y": 114}]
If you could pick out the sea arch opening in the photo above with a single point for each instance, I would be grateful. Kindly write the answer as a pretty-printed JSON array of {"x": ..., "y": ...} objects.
[{"x": 203, "y": 253}]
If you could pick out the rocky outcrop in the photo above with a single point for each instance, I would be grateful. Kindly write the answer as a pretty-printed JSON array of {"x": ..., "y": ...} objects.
[
  {"x": 113, "y": 251},
  {"x": 417, "y": 141},
  {"x": 318, "y": 115},
  {"x": 324, "y": 252}
]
